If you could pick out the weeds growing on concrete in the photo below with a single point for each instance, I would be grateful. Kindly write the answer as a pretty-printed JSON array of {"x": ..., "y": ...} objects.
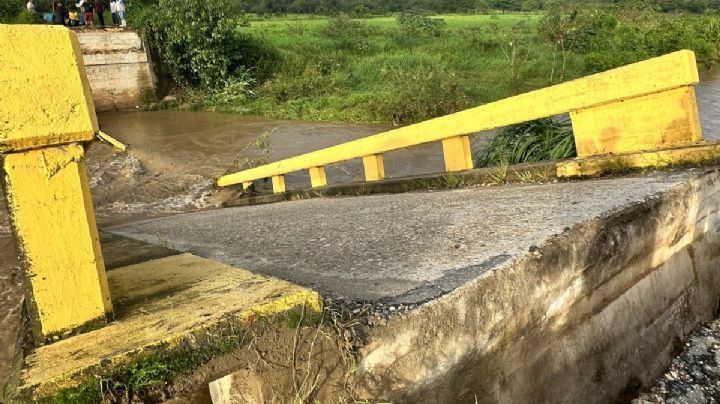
[
  {"x": 616, "y": 166},
  {"x": 499, "y": 175}
]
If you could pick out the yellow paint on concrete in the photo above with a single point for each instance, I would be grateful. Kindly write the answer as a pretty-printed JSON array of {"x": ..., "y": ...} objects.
[
  {"x": 374, "y": 167},
  {"x": 52, "y": 214},
  {"x": 114, "y": 142},
  {"x": 644, "y": 123},
  {"x": 457, "y": 154},
  {"x": 247, "y": 184},
  {"x": 700, "y": 153},
  {"x": 653, "y": 76},
  {"x": 278, "y": 183},
  {"x": 318, "y": 177},
  {"x": 45, "y": 98},
  {"x": 161, "y": 303}
]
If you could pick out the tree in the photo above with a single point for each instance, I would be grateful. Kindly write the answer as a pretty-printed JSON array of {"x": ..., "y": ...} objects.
[
  {"x": 506, "y": 5},
  {"x": 556, "y": 26}
]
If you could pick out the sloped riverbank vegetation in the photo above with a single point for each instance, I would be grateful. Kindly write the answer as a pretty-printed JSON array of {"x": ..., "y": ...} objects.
[{"x": 405, "y": 67}]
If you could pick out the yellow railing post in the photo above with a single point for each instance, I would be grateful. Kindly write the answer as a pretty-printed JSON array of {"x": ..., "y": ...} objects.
[
  {"x": 278, "y": 183},
  {"x": 317, "y": 177},
  {"x": 457, "y": 153},
  {"x": 374, "y": 167},
  {"x": 46, "y": 110}
]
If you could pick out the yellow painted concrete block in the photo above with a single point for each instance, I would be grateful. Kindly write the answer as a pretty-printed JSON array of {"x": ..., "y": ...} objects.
[
  {"x": 161, "y": 304},
  {"x": 668, "y": 72},
  {"x": 247, "y": 184},
  {"x": 52, "y": 214},
  {"x": 696, "y": 154},
  {"x": 374, "y": 167},
  {"x": 45, "y": 98},
  {"x": 457, "y": 153},
  {"x": 278, "y": 183},
  {"x": 318, "y": 177},
  {"x": 644, "y": 123}
]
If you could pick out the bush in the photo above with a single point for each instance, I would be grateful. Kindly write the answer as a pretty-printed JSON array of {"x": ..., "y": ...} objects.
[
  {"x": 9, "y": 9},
  {"x": 26, "y": 17},
  {"x": 416, "y": 24},
  {"x": 540, "y": 140},
  {"x": 418, "y": 95},
  {"x": 199, "y": 43},
  {"x": 348, "y": 34}
]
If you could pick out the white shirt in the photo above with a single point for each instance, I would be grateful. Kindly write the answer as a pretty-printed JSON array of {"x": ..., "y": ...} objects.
[
  {"x": 113, "y": 7},
  {"x": 121, "y": 6},
  {"x": 30, "y": 7}
]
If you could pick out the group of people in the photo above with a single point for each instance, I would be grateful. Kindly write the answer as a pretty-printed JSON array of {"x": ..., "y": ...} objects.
[{"x": 83, "y": 13}]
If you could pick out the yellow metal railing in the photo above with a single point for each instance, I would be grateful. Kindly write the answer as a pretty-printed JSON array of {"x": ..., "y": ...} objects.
[{"x": 644, "y": 106}]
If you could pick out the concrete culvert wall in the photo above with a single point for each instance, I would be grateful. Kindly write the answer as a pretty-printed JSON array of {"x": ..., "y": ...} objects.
[
  {"x": 119, "y": 69},
  {"x": 591, "y": 316}
]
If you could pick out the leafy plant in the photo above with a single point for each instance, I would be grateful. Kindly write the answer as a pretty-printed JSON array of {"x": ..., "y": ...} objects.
[
  {"x": 539, "y": 140},
  {"x": 413, "y": 23},
  {"x": 419, "y": 94},
  {"x": 199, "y": 43},
  {"x": 348, "y": 34}
]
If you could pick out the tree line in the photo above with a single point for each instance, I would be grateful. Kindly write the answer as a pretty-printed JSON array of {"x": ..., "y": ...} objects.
[{"x": 381, "y": 7}]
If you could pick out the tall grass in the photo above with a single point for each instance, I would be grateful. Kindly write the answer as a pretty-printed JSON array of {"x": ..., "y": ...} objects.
[
  {"x": 539, "y": 140},
  {"x": 390, "y": 71}
]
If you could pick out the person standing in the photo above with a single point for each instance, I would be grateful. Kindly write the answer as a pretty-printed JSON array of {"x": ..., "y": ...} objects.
[
  {"x": 99, "y": 10},
  {"x": 121, "y": 12},
  {"x": 86, "y": 7},
  {"x": 61, "y": 14},
  {"x": 31, "y": 6},
  {"x": 113, "y": 12}
]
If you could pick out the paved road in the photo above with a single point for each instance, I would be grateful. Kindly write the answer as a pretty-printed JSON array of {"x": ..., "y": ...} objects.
[{"x": 405, "y": 248}]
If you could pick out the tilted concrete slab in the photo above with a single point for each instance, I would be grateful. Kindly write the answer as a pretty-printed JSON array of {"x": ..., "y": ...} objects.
[
  {"x": 405, "y": 248},
  {"x": 158, "y": 305},
  {"x": 569, "y": 292}
]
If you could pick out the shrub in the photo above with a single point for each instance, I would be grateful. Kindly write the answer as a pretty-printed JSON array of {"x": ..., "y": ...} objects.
[
  {"x": 234, "y": 92},
  {"x": 9, "y": 9},
  {"x": 26, "y": 17},
  {"x": 348, "y": 34},
  {"x": 418, "y": 95},
  {"x": 540, "y": 140},
  {"x": 413, "y": 23},
  {"x": 199, "y": 43},
  {"x": 310, "y": 83}
]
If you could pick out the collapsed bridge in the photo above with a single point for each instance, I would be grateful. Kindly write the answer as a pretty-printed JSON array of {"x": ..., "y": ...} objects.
[{"x": 566, "y": 291}]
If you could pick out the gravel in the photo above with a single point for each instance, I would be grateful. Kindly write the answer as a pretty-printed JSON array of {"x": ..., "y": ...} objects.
[{"x": 694, "y": 376}]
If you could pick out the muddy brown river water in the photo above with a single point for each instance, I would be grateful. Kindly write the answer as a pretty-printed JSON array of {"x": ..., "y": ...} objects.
[{"x": 174, "y": 157}]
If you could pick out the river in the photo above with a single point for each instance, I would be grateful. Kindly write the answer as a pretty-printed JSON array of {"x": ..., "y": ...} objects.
[{"x": 174, "y": 157}]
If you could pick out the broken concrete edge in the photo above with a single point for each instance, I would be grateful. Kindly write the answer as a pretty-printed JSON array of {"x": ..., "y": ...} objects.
[
  {"x": 156, "y": 366},
  {"x": 521, "y": 173},
  {"x": 593, "y": 309}
]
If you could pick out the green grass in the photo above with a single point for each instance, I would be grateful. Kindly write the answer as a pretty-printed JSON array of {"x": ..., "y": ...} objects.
[{"x": 376, "y": 73}]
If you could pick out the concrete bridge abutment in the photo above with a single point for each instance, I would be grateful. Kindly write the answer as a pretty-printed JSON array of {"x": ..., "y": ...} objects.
[{"x": 594, "y": 313}]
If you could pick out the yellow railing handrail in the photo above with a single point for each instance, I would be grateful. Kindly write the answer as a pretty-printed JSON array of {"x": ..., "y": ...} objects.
[{"x": 656, "y": 75}]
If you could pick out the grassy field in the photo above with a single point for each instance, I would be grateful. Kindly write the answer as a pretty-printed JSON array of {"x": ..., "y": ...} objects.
[
  {"x": 411, "y": 68},
  {"x": 373, "y": 70}
]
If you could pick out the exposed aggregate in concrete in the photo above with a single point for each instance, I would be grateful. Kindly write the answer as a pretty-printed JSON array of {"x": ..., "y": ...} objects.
[{"x": 694, "y": 376}]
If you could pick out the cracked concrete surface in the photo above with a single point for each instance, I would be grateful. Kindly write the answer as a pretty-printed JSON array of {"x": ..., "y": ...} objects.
[{"x": 406, "y": 248}]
